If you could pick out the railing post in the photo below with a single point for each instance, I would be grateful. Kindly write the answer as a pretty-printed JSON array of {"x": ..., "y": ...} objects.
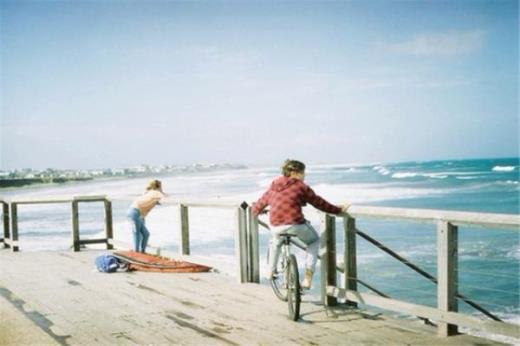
[
  {"x": 349, "y": 257},
  {"x": 328, "y": 257},
  {"x": 108, "y": 224},
  {"x": 254, "y": 251},
  {"x": 5, "y": 213},
  {"x": 241, "y": 243},
  {"x": 75, "y": 226},
  {"x": 447, "y": 262},
  {"x": 184, "y": 244},
  {"x": 13, "y": 242}
]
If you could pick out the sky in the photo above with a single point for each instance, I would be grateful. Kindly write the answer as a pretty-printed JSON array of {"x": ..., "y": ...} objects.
[{"x": 95, "y": 84}]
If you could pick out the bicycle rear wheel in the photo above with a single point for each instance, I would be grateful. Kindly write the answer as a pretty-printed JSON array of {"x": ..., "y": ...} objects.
[
  {"x": 293, "y": 289},
  {"x": 279, "y": 281}
]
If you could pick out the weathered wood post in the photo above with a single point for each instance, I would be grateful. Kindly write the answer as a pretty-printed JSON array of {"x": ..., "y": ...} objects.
[
  {"x": 447, "y": 263},
  {"x": 14, "y": 227},
  {"x": 349, "y": 257},
  {"x": 75, "y": 226},
  {"x": 241, "y": 243},
  {"x": 328, "y": 257},
  {"x": 254, "y": 247},
  {"x": 5, "y": 214},
  {"x": 184, "y": 244},
  {"x": 108, "y": 224}
]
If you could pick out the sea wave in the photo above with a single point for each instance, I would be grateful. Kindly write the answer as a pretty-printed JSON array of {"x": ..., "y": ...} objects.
[
  {"x": 381, "y": 170},
  {"x": 514, "y": 253},
  {"x": 402, "y": 175},
  {"x": 438, "y": 175},
  {"x": 363, "y": 193},
  {"x": 503, "y": 168},
  {"x": 508, "y": 182}
]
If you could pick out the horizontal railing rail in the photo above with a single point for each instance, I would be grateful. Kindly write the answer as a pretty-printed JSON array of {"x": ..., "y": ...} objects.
[
  {"x": 10, "y": 218},
  {"x": 446, "y": 313},
  {"x": 240, "y": 236},
  {"x": 487, "y": 220}
]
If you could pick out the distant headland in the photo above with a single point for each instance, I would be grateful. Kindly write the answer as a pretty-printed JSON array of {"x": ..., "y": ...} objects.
[{"x": 29, "y": 176}]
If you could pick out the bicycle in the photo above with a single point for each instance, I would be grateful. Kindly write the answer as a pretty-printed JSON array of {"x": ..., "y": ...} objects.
[{"x": 285, "y": 280}]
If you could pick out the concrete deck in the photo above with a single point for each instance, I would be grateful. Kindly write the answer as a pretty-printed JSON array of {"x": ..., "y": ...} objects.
[{"x": 59, "y": 298}]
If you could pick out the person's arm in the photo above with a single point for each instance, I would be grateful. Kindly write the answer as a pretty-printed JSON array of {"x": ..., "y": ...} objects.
[
  {"x": 260, "y": 205},
  {"x": 157, "y": 196},
  {"x": 320, "y": 203}
]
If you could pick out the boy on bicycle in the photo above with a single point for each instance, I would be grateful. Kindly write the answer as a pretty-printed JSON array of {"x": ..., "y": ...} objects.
[{"x": 285, "y": 197}]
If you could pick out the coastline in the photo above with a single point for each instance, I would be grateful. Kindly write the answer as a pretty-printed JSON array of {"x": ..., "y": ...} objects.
[{"x": 21, "y": 182}]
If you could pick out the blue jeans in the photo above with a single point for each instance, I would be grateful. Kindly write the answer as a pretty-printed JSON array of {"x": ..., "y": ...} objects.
[
  {"x": 141, "y": 233},
  {"x": 307, "y": 236}
]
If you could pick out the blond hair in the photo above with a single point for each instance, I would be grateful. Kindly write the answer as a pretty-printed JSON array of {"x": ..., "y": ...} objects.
[
  {"x": 154, "y": 185},
  {"x": 290, "y": 166}
]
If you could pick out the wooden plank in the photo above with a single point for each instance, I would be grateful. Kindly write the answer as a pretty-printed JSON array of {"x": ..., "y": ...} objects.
[
  {"x": 254, "y": 247},
  {"x": 205, "y": 203},
  {"x": 447, "y": 259},
  {"x": 75, "y": 226},
  {"x": 241, "y": 245},
  {"x": 350, "y": 256},
  {"x": 109, "y": 232},
  {"x": 98, "y": 198},
  {"x": 6, "y": 220},
  {"x": 506, "y": 221},
  {"x": 13, "y": 241},
  {"x": 328, "y": 257},
  {"x": 502, "y": 328},
  {"x": 193, "y": 309},
  {"x": 184, "y": 244},
  {"x": 58, "y": 199},
  {"x": 93, "y": 241}
]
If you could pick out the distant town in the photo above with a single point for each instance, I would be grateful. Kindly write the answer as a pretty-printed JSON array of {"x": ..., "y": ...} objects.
[{"x": 29, "y": 176}]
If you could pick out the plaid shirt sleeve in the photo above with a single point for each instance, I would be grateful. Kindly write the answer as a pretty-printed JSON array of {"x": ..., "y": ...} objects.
[
  {"x": 259, "y": 205},
  {"x": 318, "y": 202}
]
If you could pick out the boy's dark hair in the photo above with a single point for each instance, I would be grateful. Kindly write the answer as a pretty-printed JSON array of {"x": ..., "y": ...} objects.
[{"x": 292, "y": 166}]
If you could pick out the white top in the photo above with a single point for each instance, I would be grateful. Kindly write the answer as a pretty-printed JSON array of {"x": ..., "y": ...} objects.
[{"x": 147, "y": 201}]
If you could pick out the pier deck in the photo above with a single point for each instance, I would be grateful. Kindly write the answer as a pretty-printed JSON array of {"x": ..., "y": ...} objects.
[{"x": 59, "y": 298}]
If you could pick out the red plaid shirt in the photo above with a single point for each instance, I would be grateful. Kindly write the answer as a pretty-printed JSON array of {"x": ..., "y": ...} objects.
[{"x": 286, "y": 196}]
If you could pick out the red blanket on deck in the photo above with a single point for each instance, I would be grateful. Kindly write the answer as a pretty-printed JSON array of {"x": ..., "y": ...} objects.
[{"x": 152, "y": 263}]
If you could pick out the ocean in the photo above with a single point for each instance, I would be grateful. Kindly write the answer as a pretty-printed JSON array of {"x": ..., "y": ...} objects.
[{"x": 489, "y": 259}]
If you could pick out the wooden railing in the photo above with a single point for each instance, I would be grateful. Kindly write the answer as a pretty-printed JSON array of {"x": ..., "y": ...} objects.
[
  {"x": 240, "y": 235},
  {"x": 247, "y": 254},
  {"x": 10, "y": 219},
  {"x": 446, "y": 314}
]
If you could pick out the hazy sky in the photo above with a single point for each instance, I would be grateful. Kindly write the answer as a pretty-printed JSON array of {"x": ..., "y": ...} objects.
[{"x": 90, "y": 84}]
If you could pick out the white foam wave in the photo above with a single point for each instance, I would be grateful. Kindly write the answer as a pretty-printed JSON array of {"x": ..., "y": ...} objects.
[
  {"x": 402, "y": 175},
  {"x": 503, "y": 168},
  {"x": 381, "y": 170},
  {"x": 514, "y": 253},
  {"x": 363, "y": 193},
  {"x": 206, "y": 225}
]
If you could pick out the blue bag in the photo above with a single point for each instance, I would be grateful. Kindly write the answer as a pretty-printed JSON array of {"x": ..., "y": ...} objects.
[{"x": 107, "y": 263}]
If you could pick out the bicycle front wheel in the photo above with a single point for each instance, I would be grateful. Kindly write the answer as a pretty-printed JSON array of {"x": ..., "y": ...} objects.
[
  {"x": 279, "y": 281},
  {"x": 293, "y": 289}
]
